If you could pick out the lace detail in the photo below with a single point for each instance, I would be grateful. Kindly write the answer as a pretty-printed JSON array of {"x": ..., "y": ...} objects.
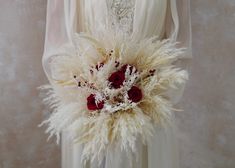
[{"x": 121, "y": 13}]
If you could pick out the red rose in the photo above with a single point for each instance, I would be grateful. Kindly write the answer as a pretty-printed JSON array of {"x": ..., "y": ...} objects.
[
  {"x": 116, "y": 79},
  {"x": 91, "y": 105},
  {"x": 135, "y": 94}
]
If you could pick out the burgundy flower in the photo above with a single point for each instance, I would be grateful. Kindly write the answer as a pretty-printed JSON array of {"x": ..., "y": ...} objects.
[
  {"x": 91, "y": 105},
  {"x": 99, "y": 65},
  {"x": 135, "y": 94},
  {"x": 124, "y": 67},
  {"x": 116, "y": 79}
]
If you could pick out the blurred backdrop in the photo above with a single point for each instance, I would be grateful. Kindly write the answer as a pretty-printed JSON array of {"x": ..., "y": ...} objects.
[{"x": 207, "y": 124}]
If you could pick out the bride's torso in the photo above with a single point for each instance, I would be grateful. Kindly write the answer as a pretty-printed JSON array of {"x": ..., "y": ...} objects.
[{"x": 137, "y": 18}]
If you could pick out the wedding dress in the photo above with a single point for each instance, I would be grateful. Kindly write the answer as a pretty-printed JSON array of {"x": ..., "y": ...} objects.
[{"x": 136, "y": 18}]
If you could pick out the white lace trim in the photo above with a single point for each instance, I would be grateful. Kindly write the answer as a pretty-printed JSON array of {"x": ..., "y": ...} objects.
[{"x": 121, "y": 14}]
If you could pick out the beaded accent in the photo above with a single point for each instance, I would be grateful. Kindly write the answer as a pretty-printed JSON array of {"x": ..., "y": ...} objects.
[{"x": 121, "y": 14}]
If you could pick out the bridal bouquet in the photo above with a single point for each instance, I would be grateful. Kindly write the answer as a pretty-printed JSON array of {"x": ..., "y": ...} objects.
[{"x": 109, "y": 90}]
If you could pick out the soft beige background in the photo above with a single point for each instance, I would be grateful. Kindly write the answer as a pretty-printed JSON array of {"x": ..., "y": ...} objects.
[
  {"x": 22, "y": 143},
  {"x": 207, "y": 126}
]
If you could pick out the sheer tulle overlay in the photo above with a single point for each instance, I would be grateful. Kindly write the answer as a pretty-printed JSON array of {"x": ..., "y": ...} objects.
[{"x": 140, "y": 19}]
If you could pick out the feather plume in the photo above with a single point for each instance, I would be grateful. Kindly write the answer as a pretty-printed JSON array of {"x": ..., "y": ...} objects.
[{"x": 83, "y": 74}]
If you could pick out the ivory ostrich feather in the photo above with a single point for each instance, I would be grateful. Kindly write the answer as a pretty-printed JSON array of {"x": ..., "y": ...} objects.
[{"x": 85, "y": 70}]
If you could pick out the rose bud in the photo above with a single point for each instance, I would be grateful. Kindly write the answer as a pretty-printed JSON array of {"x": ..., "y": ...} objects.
[
  {"x": 135, "y": 94},
  {"x": 116, "y": 79},
  {"x": 91, "y": 104},
  {"x": 124, "y": 68},
  {"x": 99, "y": 65}
]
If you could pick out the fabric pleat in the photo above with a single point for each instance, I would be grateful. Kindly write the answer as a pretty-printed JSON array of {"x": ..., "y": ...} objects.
[
  {"x": 149, "y": 19},
  {"x": 162, "y": 150}
]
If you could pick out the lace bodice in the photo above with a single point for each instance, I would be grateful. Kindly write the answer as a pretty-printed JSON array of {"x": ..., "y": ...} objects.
[{"x": 121, "y": 13}]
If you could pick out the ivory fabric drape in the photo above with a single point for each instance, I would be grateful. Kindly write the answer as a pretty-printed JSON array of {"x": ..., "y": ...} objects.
[{"x": 162, "y": 18}]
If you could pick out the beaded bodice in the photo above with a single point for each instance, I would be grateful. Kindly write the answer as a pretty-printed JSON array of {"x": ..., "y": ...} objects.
[{"x": 121, "y": 14}]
